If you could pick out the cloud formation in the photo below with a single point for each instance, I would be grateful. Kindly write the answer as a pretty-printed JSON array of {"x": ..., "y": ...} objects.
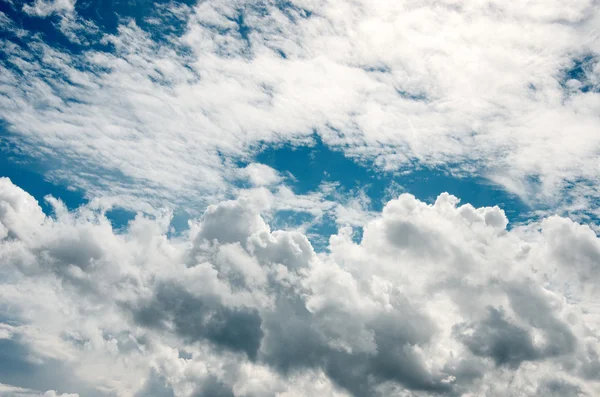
[
  {"x": 43, "y": 8},
  {"x": 164, "y": 102},
  {"x": 435, "y": 300},
  {"x": 169, "y": 107}
]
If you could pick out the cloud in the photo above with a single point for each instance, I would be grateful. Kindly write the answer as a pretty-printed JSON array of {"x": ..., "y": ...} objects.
[
  {"x": 433, "y": 299},
  {"x": 485, "y": 87},
  {"x": 42, "y": 8},
  {"x": 11, "y": 391},
  {"x": 261, "y": 175},
  {"x": 195, "y": 318},
  {"x": 436, "y": 299}
]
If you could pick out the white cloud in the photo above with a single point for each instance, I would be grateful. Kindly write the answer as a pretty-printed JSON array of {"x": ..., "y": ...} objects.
[
  {"x": 44, "y": 8},
  {"x": 261, "y": 175},
  {"x": 437, "y": 298},
  {"x": 11, "y": 391},
  {"x": 444, "y": 83}
]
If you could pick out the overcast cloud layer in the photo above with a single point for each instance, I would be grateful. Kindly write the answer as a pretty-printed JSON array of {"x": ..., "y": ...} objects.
[{"x": 278, "y": 291}]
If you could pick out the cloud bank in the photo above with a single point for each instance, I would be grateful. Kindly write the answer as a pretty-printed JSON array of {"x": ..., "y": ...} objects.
[{"x": 435, "y": 300}]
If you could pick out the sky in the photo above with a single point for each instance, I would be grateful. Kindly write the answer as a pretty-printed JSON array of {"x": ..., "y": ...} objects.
[{"x": 227, "y": 198}]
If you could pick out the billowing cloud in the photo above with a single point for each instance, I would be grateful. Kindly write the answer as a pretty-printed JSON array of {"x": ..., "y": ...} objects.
[
  {"x": 169, "y": 107},
  {"x": 435, "y": 300}
]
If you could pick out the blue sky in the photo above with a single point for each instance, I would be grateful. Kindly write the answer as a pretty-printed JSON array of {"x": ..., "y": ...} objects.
[
  {"x": 306, "y": 168},
  {"x": 471, "y": 176},
  {"x": 306, "y": 197}
]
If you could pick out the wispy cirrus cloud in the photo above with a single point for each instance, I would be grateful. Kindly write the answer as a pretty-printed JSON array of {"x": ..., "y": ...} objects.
[
  {"x": 508, "y": 89},
  {"x": 43, "y": 8}
]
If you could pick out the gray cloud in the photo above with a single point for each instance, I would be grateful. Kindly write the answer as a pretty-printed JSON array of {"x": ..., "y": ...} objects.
[
  {"x": 18, "y": 368},
  {"x": 497, "y": 338},
  {"x": 258, "y": 312},
  {"x": 214, "y": 387},
  {"x": 195, "y": 319},
  {"x": 155, "y": 386}
]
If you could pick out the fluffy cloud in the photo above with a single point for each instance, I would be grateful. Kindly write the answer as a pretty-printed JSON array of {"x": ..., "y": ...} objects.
[
  {"x": 261, "y": 175},
  {"x": 436, "y": 299},
  {"x": 508, "y": 90}
]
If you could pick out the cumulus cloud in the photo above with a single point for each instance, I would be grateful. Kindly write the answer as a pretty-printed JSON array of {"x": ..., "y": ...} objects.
[
  {"x": 433, "y": 299},
  {"x": 436, "y": 299},
  {"x": 506, "y": 90}
]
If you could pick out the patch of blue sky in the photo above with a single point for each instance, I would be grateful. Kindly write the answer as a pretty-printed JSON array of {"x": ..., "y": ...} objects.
[
  {"x": 319, "y": 232},
  {"x": 30, "y": 174},
  {"x": 179, "y": 222},
  {"x": 33, "y": 172},
  {"x": 159, "y": 19},
  {"x": 46, "y": 28},
  {"x": 578, "y": 76},
  {"x": 108, "y": 14},
  {"x": 309, "y": 166},
  {"x": 119, "y": 217}
]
